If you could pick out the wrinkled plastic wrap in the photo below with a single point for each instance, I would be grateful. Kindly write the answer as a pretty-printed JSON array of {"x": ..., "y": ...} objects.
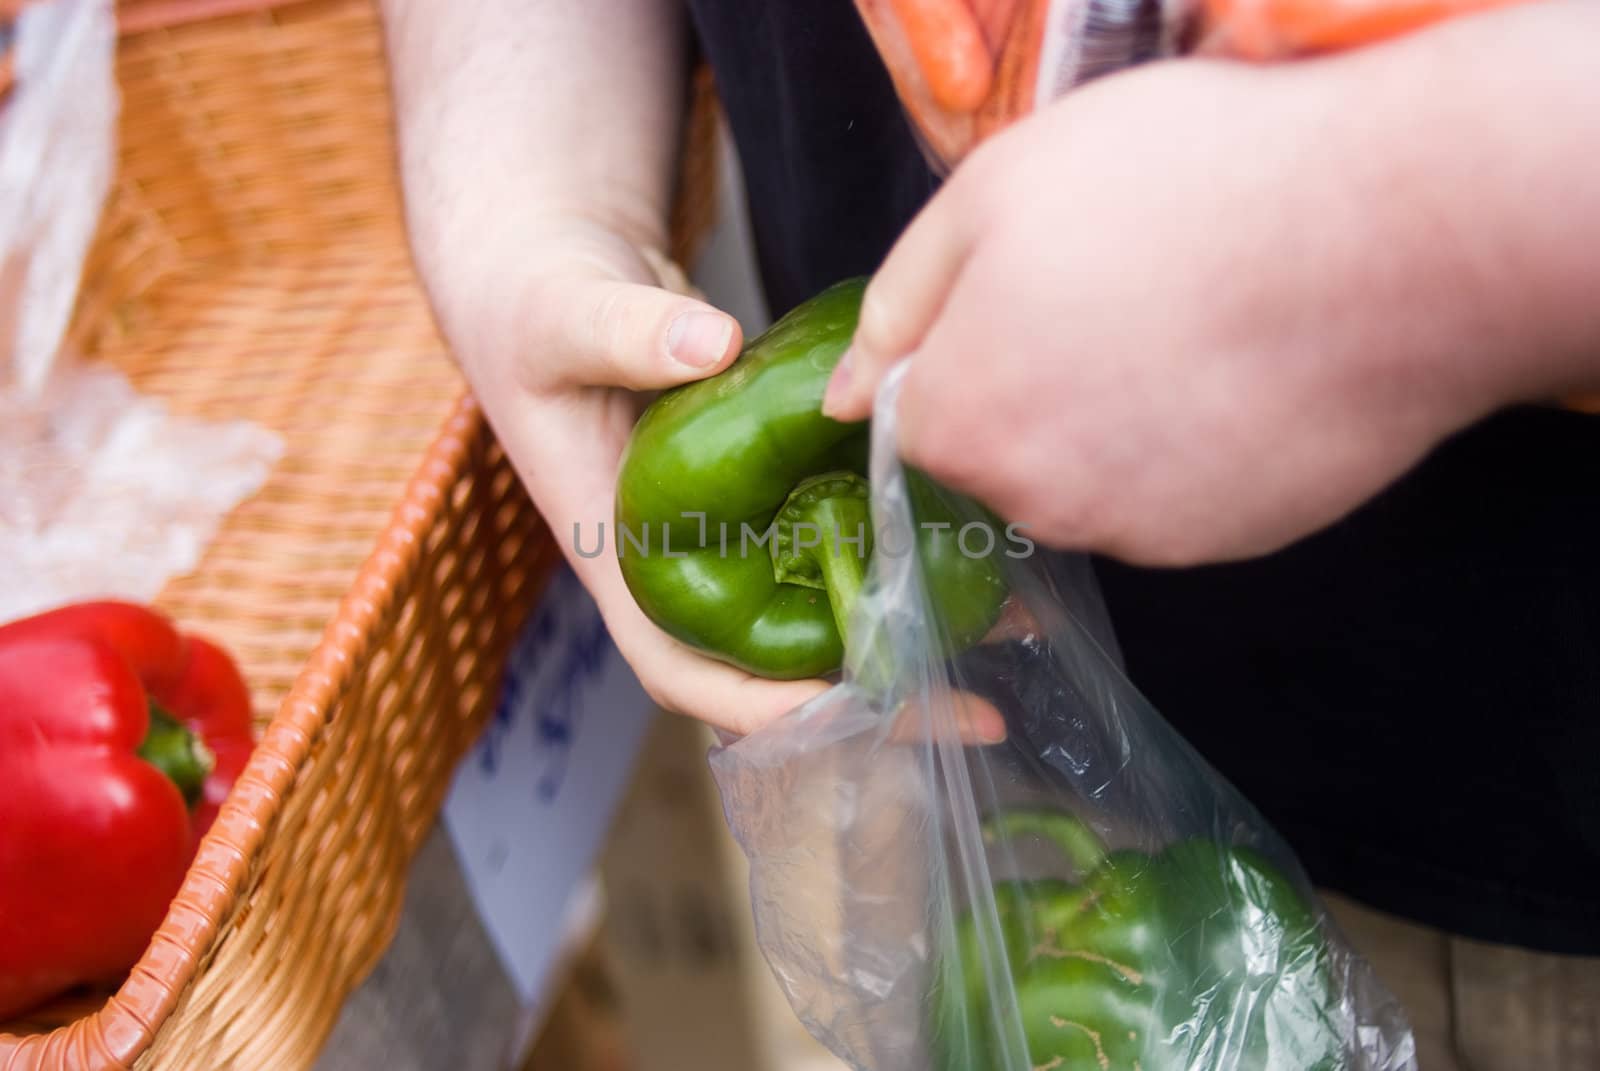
[
  {"x": 57, "y": 144},
  {"x": 1088, "y": 895},
  {"x": 107, "y": 493},
  {"x": 103, "y": 492},
  {"x": 967, "y": 68}
]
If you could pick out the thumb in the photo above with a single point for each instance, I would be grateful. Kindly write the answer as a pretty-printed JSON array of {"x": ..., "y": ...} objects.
[
  {"x": 902, "y": 301},
  {"x": 602, "y": 332}
]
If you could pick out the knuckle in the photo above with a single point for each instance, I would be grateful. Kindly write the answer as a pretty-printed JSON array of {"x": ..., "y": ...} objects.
[
  {"x": 527, "y": 338},
  {"x": 880, "y": 328},
  {"x": 946, "y": 442},
  {"x": 606, "y": 325}
]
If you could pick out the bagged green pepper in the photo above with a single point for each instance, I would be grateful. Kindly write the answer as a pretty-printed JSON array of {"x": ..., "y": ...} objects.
[
  {"x": 1148, "y": 960},
  {"x": 1088, "y": 895}
]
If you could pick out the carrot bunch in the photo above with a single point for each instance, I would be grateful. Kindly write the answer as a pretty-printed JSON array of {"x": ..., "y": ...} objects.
[
  {"x": 1278, "y": 29},
  {"x": 965, "y": 68},
  {"x": 962, "y": 68}
]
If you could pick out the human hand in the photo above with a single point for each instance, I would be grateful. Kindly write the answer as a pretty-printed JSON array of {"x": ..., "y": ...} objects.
[
  {"x": 561, "y": 342},
  {"x": 1185, "y": 314},
  {"x": 538, "y": 146},
  {"x": 563, "y": 354}
]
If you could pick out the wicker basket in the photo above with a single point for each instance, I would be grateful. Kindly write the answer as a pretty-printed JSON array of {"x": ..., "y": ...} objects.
[{"x": 252, "y": 264}]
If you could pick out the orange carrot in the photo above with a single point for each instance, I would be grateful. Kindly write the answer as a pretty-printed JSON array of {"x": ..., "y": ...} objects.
[
  {"x": 948, "y": 44},
  {"x": 946, "y": 134},
  {"x": 1273, "y": 29},
  {"x": 1018, "y": 74},
  {"x": 1584, "y": 403},
  {"x": 994, "y": 16}
]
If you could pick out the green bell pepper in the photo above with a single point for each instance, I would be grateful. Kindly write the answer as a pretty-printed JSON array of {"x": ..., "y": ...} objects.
[
  {"x": 743, "y": 523},
  {"x": 1199, "y": 956}
]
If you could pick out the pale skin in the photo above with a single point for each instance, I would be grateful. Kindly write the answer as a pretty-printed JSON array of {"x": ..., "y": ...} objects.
[
  {"x": 537, "y": 150},
  {"x": 1249, "y": 300},
  {"x": 1273, "y": 291}
]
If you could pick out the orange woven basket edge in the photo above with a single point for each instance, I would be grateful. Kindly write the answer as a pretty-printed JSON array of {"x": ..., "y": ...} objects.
[{"x": 119, "y": 1032}]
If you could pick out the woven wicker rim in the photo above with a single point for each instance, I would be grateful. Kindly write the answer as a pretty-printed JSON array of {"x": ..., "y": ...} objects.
[
  {"x": 210, "y": 890},
  {"x": 183, "y": 996}
]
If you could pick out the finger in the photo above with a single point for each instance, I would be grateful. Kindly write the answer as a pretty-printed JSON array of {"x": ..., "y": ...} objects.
[
  {"x": 952, "y": 414},
  {"x": 902, "y": 301},
  {"x": 722, "y": 696},
  {"x": 1016, "y": 622},
  {"x": 600, "y": 332},
  {"x": 962, "y": 716},
  {"x": 575, "y": 492},
  {"x": 677, "y": 677},
  {"x": 684, "y": 681}
]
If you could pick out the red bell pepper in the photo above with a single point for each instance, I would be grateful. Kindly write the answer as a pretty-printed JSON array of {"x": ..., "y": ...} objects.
[{"x": 119, "y": 740}]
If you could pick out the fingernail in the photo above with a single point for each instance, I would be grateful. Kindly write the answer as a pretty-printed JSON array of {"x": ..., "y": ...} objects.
[
  {"x": 838, "y": 391},
  {"x": 992, "y": 730},
  {"x": 699, "y": 339}
]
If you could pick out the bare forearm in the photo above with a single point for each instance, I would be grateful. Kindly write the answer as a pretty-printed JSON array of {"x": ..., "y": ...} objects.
[{"x": 512, "y": 109}]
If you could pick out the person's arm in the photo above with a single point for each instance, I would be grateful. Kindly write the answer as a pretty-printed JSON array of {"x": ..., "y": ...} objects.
[
  {"x": 538, "y": 143},
  {"x": 515, "y": 118},
  {"x": 1199, "y": 310}
]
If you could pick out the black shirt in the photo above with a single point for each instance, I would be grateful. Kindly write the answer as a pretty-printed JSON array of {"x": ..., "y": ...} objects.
[{"x": 1412, "y": 697}]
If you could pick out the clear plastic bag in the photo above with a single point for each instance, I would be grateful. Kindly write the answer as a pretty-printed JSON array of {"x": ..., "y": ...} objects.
[
  {"x": 108, "y": 493},
  {"x": 103, "y": 492},
  {"x": 1088, "y": 895},
  {"x": 967, "y": 68},
  {"x": 57, "y": 146}
]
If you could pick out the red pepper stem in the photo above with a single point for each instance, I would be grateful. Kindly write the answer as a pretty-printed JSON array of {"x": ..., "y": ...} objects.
[
  {"x": 1071, "y": 834},
  {"x": 171, "y": 748}
]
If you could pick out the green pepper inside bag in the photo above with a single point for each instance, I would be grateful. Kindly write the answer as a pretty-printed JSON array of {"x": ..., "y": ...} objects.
[
  {"x": 1200, "y": 956},
  {"x": 743, "y": 523}
]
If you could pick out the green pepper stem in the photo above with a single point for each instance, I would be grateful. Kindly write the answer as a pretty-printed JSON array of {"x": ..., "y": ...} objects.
[
  {"x": 1080, "y": 844},
  {"x": 833, "y": 511},
  {"x": 171, "y": 748},
  {"x": 844, "y": 571}
]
